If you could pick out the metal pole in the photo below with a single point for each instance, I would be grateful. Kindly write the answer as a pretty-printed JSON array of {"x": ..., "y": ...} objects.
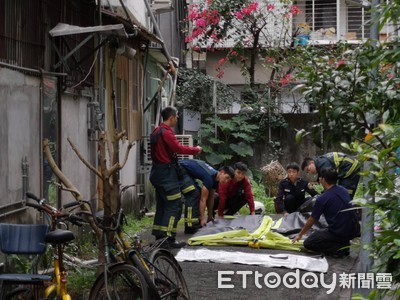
[
  {"x": 367, "y": 222},
  {"x": 158, "y": 32},
  {"x": 215, "y": 106}
]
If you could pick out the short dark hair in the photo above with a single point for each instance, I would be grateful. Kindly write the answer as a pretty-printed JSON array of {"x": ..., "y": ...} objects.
[
  {"x": 306, "y": 162},
  {"x": 330, "y": 175},
  {"x": 240, "y": 166},
  {"x": 294, "y": 166},
  {"x": 228, "y": 170},
  {"x": 167, "y": 112}
]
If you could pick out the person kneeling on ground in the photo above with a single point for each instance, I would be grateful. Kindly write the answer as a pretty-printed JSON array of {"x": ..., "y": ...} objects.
[
  {"x": 196, "y": 198},
  {"x": 292, "y": 190},
  {"x": 343, "y": 224},
  {"x": 234, "y": 194}
]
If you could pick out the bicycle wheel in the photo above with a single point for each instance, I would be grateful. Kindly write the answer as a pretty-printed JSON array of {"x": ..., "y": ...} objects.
[
  {"x": 21, "y": 293},
  {"x": 168, "y": 276},
  {"x": 123, "y": 282}
]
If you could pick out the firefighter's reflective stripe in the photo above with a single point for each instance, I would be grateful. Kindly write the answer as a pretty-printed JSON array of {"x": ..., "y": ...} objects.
[
  {"x": 189, "y": 218},
  {"x": 164, "y": 228},
  {"x": 188, "y": 189},
  {"x": 339, "y": 159},
  {"x": 171, "y": 228},
  {"x": 353, "y": 167},
  {"x": 174, "y": 196}
]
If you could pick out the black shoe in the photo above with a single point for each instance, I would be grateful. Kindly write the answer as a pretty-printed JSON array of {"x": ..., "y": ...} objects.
[
  {"x": 191, "y": 230},
  {"x": 339, "y": 254},
  {"x": 173, "y": 243}
]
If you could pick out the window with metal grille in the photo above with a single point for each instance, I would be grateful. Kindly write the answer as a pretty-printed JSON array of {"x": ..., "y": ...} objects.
[{"x": 184, "y": 139}]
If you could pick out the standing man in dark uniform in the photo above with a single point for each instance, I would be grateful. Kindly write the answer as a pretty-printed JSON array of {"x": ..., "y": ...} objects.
[
  {"x": 165, "y": 176},
  {"x": 292, "y": 190},
  {"x": 197, "y": 199},
  {"x": 346, "y": 167}
]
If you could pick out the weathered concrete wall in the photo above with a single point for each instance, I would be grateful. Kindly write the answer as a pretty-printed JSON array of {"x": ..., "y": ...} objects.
[
  {"x": 292, "y": 151},
  {"x": 74, "y": 125},
  {"x": 19, "y": 135}
]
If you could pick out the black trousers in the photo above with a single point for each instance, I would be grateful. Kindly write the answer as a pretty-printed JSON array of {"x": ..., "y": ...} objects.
[
  {"x": 325, "y": 242},
  {"x": 232, "y": 205},
  {"x": 292, "y": 203}
]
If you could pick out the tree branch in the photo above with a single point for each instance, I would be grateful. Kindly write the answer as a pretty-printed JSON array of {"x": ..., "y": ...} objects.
[
  {"x": 127, "y": 154},
  {"x": 82, "y": 159},
  {"x": 60, "y": 175}
]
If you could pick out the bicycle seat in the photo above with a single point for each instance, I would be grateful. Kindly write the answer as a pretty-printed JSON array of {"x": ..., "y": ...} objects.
[{"x": 59, "y": 236}]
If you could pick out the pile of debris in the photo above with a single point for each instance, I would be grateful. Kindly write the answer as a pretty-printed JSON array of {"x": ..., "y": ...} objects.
[{"x": 272, "y": 174}]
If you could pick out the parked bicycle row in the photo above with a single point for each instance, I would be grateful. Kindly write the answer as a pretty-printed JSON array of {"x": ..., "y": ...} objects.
[{"x": 127, "y": 271}]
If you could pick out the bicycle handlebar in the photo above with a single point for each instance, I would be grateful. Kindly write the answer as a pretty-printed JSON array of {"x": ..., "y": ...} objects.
[
  {"x": 96, "y": 221},
  {"x": 56, "y": 214}
]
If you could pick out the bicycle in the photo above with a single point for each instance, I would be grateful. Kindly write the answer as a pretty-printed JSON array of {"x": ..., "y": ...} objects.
[
  {"x": 30, "y": 285},
  {"x": 118, "y": 280},
  {"x": 159, "y": 268}
]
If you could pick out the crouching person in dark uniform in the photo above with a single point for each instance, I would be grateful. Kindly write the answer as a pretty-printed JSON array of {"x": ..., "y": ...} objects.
[
  {"x": 292, "y": 190},
  {"x": 165, "y": 177},
  {"x": 348, "y": 168},
  {"x": 343, "y": 224},
  {"x": 196, "y": 198}
]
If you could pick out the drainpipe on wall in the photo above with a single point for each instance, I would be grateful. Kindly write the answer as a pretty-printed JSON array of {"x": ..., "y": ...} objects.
[
  {"x": 172, "y": 62},
  {"x": 25, "y": 177}
]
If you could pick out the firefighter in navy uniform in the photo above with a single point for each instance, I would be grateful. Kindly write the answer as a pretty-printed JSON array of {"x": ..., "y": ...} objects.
[
  {"x": 292, "y": 190},
  {"x": 347, "y": 168},
  {"x": 196, "y": 198},
  {"x": 165, "y": 176}
]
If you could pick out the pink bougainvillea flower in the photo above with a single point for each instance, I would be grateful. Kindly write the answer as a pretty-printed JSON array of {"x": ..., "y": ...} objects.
[
  {"x": 188, "y": 39},
  {"x": 390, "y": 76},
  {"x": 269, "y": 59},
  {"x": 250, "y": 8},
  {"x": 233, "y": 53},
  {"x": 238, "y": 15},
  {"x": 284, "y": 80},
  {"x": 221, "y": 61},
  {"x": 201, "y": 23},
  {"x": 253, "y": 6},
  {"x": 340, "y": 62},
  {"x": 270, "y": 7},
  {"x": 214, "y": 37},
  {"x": 196, "y": 32},
  {"x": 214, "y": 17},
  {"x": 295, "y": 10},
  {"x": 220, "y": 74}
]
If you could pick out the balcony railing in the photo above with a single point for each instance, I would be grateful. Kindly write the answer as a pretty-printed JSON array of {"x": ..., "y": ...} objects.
[{"x": 326, "y": 21}]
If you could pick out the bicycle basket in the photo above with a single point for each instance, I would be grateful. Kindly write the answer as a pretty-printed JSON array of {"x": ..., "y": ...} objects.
[{"x": 23, "y": 238}]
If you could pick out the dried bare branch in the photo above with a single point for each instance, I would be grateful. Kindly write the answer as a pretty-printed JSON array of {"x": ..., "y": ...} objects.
[
  {"x": 67, "y": 185},
  {"x": 121, "y": 135},
  {"x": 110, "y": 149},
  {"x": 82, "y": 159},
  {"x": 60, "y": 175},
  {"x": 127, "y": 154}
]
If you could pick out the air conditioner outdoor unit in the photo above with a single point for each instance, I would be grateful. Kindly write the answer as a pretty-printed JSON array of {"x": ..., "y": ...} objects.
[
  {"x": 162, "y": 6},
  {"x": 184, "y": 139}
]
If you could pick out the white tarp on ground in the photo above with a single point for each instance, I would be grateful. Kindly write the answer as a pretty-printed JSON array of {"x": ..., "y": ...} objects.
[{"x": 289, "y": 261}]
